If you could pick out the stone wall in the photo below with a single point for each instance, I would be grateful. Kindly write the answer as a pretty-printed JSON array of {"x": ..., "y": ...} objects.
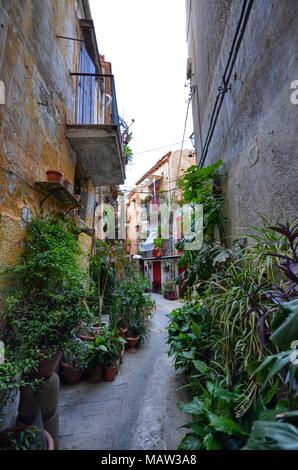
[
  {"x": 256, "y": 133},
  {"x": 35, "y": 66}
]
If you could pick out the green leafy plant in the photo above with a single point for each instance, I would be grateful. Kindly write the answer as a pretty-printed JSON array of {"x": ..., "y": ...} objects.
[
  {"x": 189, "y": 338},
  {"x": 46, "y": 298},
  {"x": 168, "y": 286},
  {"x": 75, "y": 353},
  {"x": 129, "y": 302},
  {"x": 213, "y": 424},
  {"x": 96, "y": 351},
  {"x": 246, "y": 297},
  {"x": 12, "y": 374},
  {"x": 267, "y": 435},
  {"x": 105, "y": 349},
  {"x": 23, "y": 438},
  {"x": 197, "y": 185}
]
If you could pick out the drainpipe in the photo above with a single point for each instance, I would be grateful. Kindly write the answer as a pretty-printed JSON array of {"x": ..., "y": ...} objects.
[{"x": 87, "y": 9}]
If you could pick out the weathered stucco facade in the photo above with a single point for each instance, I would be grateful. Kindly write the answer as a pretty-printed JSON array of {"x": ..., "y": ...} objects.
[
  {"x": 40, "y": 46},
  {"x": 256, "y": 131}
]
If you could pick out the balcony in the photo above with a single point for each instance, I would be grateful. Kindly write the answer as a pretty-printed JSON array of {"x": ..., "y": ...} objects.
[{"x": 95, "y": 133}]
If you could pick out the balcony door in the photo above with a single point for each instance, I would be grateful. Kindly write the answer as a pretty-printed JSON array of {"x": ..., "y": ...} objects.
[{"x": 86, "y": 89}]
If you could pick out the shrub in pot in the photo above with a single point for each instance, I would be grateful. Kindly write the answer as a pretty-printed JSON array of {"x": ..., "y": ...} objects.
[
  {"x": 46, "y": 301},
  {"x": 74, "y": 361},
  {"x": 137, "y": 332}
]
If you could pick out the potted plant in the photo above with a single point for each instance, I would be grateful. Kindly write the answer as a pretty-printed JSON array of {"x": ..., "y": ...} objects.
[
  {"x": 45, "y": 304},
  {"x": 54, "y": 176},
  {"x": 158, "y": 246},
  {"x": 26, "y": 438},
  {"x": 169, "y": 290},
  {"x": 95, "y": 355},
  {"x": 102, "y": 272},
  {"x": 149, "y": 307},
  {"x": 114, "y": 348},
  {"x": 73, "y": 362},
  {"x": 137, "y": 331}
]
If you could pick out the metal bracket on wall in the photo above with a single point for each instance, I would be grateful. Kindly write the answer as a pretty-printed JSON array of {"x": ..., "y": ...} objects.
[
  {"x": 51, "y": 193},
  {"x": 59, "y": 192}
]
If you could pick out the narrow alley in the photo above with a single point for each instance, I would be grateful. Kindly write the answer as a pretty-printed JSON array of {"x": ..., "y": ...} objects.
[
  {"x": 148, "y": 231},
  {"x": 138, "y": 410}
]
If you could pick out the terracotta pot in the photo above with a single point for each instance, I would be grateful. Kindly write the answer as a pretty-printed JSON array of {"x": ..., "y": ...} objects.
[
  {"x": 170, "y": 295},
  {"x": 109, "y": 373},
  {"x": 123, "y": 332},
  {"x": 71, "y": 375},
  {"x": 94, "y": 374},
  {"x": 67, "y": 184},
  {"x": 49, "y": 440},
  {"x": 54, "y": 176},
  {"x": 132, "y": 342},
  {"x": 47, "y": 366}
]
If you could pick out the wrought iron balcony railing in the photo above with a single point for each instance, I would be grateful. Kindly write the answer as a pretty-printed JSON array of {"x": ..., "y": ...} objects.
[{"x": 96, "y": 102}]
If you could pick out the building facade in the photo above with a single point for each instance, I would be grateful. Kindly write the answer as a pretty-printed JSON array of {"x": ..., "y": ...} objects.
[
  {"x": 59, "y": 113},
  {"x": 158, "y": 256},
  {"x": 242, "y": 61}
]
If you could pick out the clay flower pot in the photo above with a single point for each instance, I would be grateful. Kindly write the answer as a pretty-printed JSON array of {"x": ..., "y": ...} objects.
[
  {"x": 54, "y": 176},
  {"x": 170, "y": 295},
  {"x": 67, "y": 184},
  {"x": 71, "y": 375},
  {"x": 47, "y": 366},
  {"x": 109, "y": 373},
  {"x": 132, "y": 342},
  {"x": 94, "y": 374}
]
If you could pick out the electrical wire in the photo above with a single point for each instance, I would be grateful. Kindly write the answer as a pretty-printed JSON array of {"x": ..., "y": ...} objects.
[
  {"x": 157, "y": 148},
  {"x": 184, "y": 131},
  {"x": 224, "y": 87}
]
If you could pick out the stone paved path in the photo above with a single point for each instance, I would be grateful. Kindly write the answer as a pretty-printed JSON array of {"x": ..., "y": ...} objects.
[{"x": 138, "y": 410}]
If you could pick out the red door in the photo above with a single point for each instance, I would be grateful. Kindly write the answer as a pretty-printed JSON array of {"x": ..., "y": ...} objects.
[{"x": 156, "y": 284}]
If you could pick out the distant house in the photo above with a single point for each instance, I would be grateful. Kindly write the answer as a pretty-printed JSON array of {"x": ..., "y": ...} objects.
[
  {"x": 158, "y": 256},
  {"x": 60, "y": 114}
]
